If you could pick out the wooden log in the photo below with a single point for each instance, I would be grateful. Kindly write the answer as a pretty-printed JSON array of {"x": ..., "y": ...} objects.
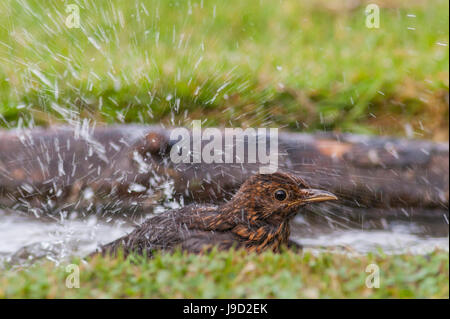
[{"x": 128, "y": 168}]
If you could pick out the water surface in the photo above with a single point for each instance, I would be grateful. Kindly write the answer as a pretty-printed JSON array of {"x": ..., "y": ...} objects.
[{"x": 25, "y": 239}]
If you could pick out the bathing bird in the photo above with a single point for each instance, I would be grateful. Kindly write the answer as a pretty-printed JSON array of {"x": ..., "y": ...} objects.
[{"x": 256, "y": 218}]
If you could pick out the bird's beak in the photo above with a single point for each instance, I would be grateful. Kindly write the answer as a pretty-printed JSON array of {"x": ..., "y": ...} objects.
[{"x": 317, "y": 195}]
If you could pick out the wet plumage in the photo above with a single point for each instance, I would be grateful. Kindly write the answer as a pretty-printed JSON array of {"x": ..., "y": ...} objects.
[{"x": 256, "y": 218}]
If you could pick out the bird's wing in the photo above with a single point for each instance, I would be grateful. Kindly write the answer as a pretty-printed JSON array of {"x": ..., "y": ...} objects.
[
  {"x": 200, "y": 241},
  {"x": 182, "y": 228}
]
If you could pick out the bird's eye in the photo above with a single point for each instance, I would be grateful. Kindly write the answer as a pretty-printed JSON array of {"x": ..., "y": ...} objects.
[{"x": 280, "y": 195}]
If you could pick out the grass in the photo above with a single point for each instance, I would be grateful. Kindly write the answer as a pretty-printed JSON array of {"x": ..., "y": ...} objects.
[
  {"x": 302, "y": 65},
  {"x": 236, "y": 274}
]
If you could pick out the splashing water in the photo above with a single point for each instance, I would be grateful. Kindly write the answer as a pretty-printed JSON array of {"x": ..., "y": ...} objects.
[
  {"x": 25, "y": 239},
  {"x": 55, "y": 84}
]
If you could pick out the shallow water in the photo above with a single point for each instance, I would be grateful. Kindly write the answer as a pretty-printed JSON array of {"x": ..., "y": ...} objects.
[
  {"x": 371, "y": 241},
  {"x": 25, "y": 239}
]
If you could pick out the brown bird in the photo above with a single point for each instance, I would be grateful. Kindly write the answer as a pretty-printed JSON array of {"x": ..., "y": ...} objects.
[{"x": 256, "y": 218}]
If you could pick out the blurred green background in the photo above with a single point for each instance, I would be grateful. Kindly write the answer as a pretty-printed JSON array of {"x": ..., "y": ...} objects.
[
  {"x": 299, "y": 65},
  {"x": 237, "y": 274}
]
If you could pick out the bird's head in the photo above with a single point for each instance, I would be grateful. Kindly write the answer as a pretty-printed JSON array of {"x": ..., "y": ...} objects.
[{"x": 277, "y": 196}]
